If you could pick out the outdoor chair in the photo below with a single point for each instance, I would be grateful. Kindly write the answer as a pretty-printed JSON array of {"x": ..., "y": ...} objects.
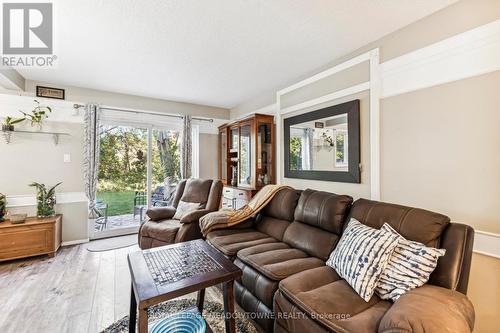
[{"x": 140, "y": 201}]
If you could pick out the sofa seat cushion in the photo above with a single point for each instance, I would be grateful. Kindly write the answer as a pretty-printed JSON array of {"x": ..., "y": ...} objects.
[
  {"x": 230, "y": 241},
  {"x": 164, "y": 231},
  {"x": 278, "y": 260},
  {"x": 322, "y": 294}
]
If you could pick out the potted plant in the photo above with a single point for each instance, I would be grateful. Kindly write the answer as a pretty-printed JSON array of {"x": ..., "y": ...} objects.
[
  {"x": 38, "y": 114},
  {"x": 9, "y": 122},
  {"x": 3, "y": 204},
  {"x": 45, "y": 199}
]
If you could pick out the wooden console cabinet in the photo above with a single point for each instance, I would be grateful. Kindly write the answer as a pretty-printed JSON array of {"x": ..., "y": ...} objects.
[
  {"x": 34, "y": 237},
  {"x": 246, "y": 158}
]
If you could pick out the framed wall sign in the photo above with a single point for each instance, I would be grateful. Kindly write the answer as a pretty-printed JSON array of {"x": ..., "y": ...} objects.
[{"x": 48, "y": 92}]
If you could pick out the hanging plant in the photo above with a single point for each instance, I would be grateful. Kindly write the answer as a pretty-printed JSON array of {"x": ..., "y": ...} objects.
[
  {"x": 45, "y": 199},
  {"x": 9, "y": 122},
  {"x": 328, "y": 139},
  {"x": 38, "y": 114}
]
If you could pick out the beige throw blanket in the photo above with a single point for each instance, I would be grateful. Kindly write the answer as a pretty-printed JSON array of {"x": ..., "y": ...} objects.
[{"x": 227, "y": 218}]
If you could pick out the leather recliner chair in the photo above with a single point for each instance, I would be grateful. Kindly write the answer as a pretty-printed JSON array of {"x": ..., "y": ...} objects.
[{"x": 161, "y": 229}]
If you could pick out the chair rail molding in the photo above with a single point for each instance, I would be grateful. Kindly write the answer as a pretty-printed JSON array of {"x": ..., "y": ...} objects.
[
  {"x": 471, "y": 53},
  {"x": 30, "y": 199}
]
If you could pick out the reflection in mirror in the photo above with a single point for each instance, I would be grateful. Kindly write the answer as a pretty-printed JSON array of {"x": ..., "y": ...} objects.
[{"x": 320, "y": 145}]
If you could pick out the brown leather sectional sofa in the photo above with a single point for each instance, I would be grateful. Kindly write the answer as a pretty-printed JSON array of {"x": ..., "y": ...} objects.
[{"x": 288, "y": 288}]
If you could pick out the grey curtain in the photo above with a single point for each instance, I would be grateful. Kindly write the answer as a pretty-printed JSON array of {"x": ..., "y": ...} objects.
[
  {"x": 186, "y": 148},
  {"x": 91, "y": 155},
  {"x": 307, "y": 149}
]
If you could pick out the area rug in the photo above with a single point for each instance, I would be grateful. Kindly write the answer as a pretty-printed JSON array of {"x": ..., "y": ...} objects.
[
  {"x": 213, "y": 313},
  {"x": 113, "y": 243}
]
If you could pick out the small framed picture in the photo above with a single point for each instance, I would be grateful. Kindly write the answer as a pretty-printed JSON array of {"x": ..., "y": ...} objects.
[{"x": 48, "y": 92}]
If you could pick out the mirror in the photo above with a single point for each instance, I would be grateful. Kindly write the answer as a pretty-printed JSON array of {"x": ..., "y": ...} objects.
[{"x": 324, "y": 144}]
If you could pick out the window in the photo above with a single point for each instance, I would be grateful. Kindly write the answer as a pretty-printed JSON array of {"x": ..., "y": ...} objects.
[{"x": 341, "y": 152}]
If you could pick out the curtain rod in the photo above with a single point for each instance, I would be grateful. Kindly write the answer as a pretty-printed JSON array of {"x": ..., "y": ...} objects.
[{"x": 77, "y": 106}]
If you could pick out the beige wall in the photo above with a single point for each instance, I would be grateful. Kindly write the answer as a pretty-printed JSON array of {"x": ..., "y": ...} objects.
[
  {"x": 30, "y": 158},
  {"x": 484, "y": 292},
  {"x": 208, "y": 156},
  {"x": 440, "y": 147}
]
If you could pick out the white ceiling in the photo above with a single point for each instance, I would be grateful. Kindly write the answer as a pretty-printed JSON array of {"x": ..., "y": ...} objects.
[{"x": 213, "y": 52}]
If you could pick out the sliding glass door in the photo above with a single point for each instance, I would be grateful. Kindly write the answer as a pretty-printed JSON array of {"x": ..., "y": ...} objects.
[
  {"x": 139, "y": 168},
  {"x": 165, "y": 166}
]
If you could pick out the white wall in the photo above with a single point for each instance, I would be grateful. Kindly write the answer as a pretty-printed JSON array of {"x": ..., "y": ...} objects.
[{"x": 208, "y": 156}]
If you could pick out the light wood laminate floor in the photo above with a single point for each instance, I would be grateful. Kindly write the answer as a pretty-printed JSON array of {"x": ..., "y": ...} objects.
[{"x": 76, "y": 291}]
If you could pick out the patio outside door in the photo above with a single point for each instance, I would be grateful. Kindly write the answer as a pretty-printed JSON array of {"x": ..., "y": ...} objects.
[{"x": 139, "y": 168}]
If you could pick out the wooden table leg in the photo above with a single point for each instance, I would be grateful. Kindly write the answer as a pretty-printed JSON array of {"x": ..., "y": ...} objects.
[
  {"x": 229, "y": 307},
  {"x": 133, "y": 312},
  {"x": 200, "y": 299},
  {"x": 143, "y": 320}
]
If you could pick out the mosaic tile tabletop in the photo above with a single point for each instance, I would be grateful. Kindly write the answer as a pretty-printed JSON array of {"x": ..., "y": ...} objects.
[{"x": 180, "y": 262}]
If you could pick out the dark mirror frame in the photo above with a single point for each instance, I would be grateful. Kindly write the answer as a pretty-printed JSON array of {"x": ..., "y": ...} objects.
[{"x": 353, "y": 174}]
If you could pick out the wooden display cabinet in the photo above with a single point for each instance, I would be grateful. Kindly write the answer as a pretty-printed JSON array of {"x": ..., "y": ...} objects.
[{"x": 246, "y": 157}]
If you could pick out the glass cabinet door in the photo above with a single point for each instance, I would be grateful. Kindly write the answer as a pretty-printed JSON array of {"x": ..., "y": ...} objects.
[
  {"x": 264, "y": 154},
  {"x": 223, "y": 153},
  {"x": 234, "y": 139},
  {"x": 245, "y": 158}
]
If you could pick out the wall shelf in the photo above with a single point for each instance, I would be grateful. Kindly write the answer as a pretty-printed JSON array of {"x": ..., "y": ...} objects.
[{"x": 7, "y": 135}]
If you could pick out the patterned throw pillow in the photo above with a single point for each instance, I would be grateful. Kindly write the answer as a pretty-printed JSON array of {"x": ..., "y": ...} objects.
[
  {"x": 409, "y": 267},
  {"x": 185, "y": 207},
  {"x": 361, "y": 256}
]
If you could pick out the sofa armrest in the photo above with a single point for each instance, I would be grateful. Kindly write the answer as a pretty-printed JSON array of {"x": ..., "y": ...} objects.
[
  {"x": 194, "y": 216},
  {"x": 429, "y": 309},
  {"x": 160, "y": 213},
  {"x": 452, "y": 270}
]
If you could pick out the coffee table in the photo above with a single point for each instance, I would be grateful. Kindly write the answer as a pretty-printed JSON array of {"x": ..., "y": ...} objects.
[{"x": 167, "y": 272}]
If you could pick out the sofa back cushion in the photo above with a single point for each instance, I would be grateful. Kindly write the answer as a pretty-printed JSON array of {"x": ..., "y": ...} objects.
[
  {"x": 319, "y": 217},
  {"x": 282, "y": 206},
  {"x": 275, "y": 218},
  {"x": 412, "y": 223},
  {"x": 323, "y": 210},
  {"x": 199, "y": 190}
]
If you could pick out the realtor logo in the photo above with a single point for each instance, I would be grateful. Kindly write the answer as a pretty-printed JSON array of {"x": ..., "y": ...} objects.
[{"x": 27, "y": 28}]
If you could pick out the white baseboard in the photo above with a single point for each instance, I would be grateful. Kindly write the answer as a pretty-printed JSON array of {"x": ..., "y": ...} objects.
[
  {"x": 114, "y": 233},
  {"x": 487, "y": 243},
  {"x": 75, "y": 242}
]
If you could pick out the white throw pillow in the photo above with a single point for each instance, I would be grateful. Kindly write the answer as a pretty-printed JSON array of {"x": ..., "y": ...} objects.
[
  {"x": 184, "y": 208},
  {"x": 361, "y": 256},
  {"x": 409, "y": 267}
]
